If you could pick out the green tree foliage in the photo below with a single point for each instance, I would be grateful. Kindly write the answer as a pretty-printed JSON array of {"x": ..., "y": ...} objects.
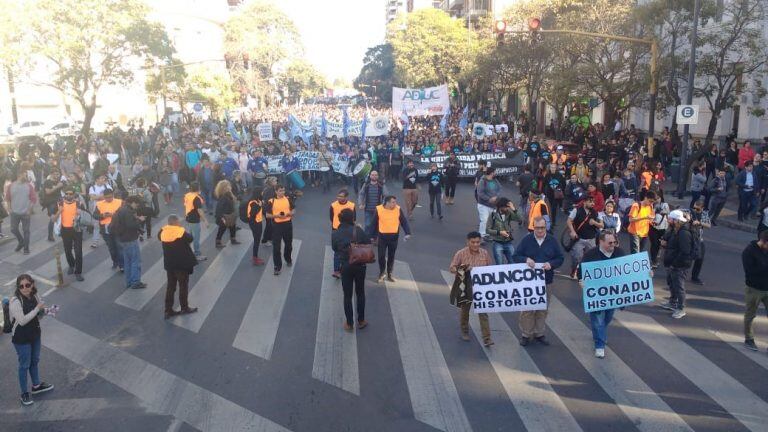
[
  {"x": 378, "y": 71},
  {"x": 302, "y": 80},
  {"x": 86, "y": 44}
]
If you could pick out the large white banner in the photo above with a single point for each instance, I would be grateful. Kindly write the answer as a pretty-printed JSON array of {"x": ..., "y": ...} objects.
[
  {"x": 375, "y": 126},
  {"x": 508, "y": 288},
  {"x": 265, "y": 131},
  {"x": 420, "y": 101}
]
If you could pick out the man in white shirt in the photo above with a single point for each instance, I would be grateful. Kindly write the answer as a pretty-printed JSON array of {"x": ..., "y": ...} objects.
[{"x": 96, "y": 193}]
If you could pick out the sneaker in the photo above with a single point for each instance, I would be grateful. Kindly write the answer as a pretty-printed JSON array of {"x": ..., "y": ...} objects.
[
  {"x": 171, "y": 313},
  {"x": 465, "y": 337},
  {"x": 258, "y": 261},
  {"x": 600, "y": 353},
  {"x": 362, "y": 324},
  {"x": 94, "y": 245},
  {"x": 19, "y": 248},
  {"x": 487, "y": 343},
  {"x": 277, "y": 271},
  {"x": 750, "y": 344},
  {"x": 336, "y": 274},
  {"x": 51, "y": 239},
  {"x": 390, "y": 278},
  {"x": 381, "y": 278},
  {"x": 26, "y": 252},
  {"x": 26, "y": 399},
  {"x": 440, "y": 217},
  {"x": 137, "y": 286},
  {"x": 347, "y": 326},
  {"x": 79, "y": 277},
  {"x": 121, "y": 270},
  {"x": 697, "y": 281},
  {"x": 70, "y": 271},
  {"x": 542, "y": 340},
  {"x": 41, "y": 388},
  {"x": 234, "y": 242},
  {"x": 201, "y": 258},
  {"x": 524, "y": 341},
  {"x": 188, "y": 311},
  {"x": 289, "y": 263},
  {"x": 678, "y": 313},
  {"x": 667, "y": 306}
]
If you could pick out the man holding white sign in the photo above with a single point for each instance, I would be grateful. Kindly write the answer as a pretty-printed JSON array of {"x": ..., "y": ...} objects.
[{"x": 466, "y": 259}]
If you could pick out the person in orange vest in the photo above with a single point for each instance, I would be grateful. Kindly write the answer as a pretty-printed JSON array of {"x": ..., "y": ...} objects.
[
  {"x": 388, "y": 219},
  {"x": 194, "y": 215},
  {"x": 104, "y": 211},
  {"x": 71, "y": 233},
  {"x": 179, "y": 262},
  {"x": 559, "y": 157},
  {"x": 342, "y": 202},
  {"x": 537, "y": 207},
  {"x": 255, "y": 216},
  {"x": 641, "y": 215},
  {"x": 280, "y": 210}
]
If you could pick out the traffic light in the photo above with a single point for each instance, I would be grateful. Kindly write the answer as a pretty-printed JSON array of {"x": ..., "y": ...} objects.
[
  {"x": 534, "y": 24},
  {"x": 500, "y": 28}
]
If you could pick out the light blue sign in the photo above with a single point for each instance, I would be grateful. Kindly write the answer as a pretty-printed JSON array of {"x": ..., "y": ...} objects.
[
  {"x": 617, "y": 282},
  {"x": 198, "y": 107}
]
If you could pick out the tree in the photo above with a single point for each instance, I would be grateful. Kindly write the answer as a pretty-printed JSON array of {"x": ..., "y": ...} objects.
[
  {"x": 257, "y": 39},
  {"x": 301, "y": 80},
  {"x": 88, "y": 44},
  {"x": 210, "y": 86},
  {"x": 378, "y": 71},
  {"x": 430, "y": 48}
]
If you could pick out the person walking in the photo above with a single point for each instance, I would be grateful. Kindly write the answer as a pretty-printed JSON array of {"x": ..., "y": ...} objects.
[
  {"x": 194, "y": 215},
  {"x": 267, "y": 194},
  {"x": 640, "y": 217},
  {"x": 126, "y": 225},
  {"x": 410, "y": 188},
  {"x": 225, "y": 213},
  {"x": 719, "y": 195},
  {"x": 281, "y": 210},
  {"x": 105, "y": 210},
  {"x": 554, "y": 189},
  {"x": 499, "y": 227},
  {"x": 472, "y": 255},
  {"x": 677, "y": 260},
  {"x": 658, "y": 228},
  {"x": 452, "y": 168},
  {"x": 542, "y": 249},
  {"x": 26, "y": 309},
  {"x": 21, "y": 198},
  {"x": 583, "y": 226},
  {"x": 370, "y": 196},
  {"x": 435, "y": 180},
  {"x": 607, "y": 249},
  {"x": 699, "y": 222},
  {"x": 754, "y": 259},
  {"x": 50, "y": 197},
  {"x": 748, "y": 184},
  {"x": 537, "y": 208},
  {"x": 488, "y": 190},
  {"x": 179, "y": 261},
  {"x": 255, "y": 215},
  {"x": 342, "y": 203},
  {"x": 68, "y": 212},
  {"x": 352, "y": 275},
  {"x": 388, "y": 220}
]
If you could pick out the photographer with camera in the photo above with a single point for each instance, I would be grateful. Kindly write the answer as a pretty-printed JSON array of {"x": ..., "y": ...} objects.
[{"x": 126, "y": 226}]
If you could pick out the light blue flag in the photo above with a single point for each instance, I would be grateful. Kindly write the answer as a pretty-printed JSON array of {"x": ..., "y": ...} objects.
[
  {"x": 283, "y": 135},
  {"x": 444, "y": 123},
  {"x": 323, "y": 127},
  {"x": 464, "y": 122},
  {"x": 406, "y": 121},
  {"x": 365, "y": 123},
  {"x": 232, "y": 131},
  {"x": 344, "y": 121}
]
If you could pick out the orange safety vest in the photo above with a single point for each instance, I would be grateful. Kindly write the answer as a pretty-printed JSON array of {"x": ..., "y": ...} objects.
[
  {"x": 189, "y": 201},
  {"x": 171, "y": 233},
  {"x": 647, "y": 179},
  {"x": 108, "y": 207},
  {"x": 389, "y": 220},
  {"x": 535, "y": 212},
  {"x": 258, "y": 215},
  {"x": 68, "y": 214},
  {"x": 280, "y": 205},
  {"x": 640, "y": 228},
  {"x": 337, "y": 208}
]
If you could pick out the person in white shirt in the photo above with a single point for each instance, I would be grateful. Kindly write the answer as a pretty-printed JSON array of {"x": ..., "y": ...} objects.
[{"x": 96, "y": 193}]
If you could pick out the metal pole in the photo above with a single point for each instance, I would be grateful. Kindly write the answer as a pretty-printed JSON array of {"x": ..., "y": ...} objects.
[
  {"x": 165, "y": 102},
  {"x": 682, "y": 178},
  {"x": 59, "y": 271},
  {"x": 654, "y": 91},
  {"x": 12, "y": 91}
]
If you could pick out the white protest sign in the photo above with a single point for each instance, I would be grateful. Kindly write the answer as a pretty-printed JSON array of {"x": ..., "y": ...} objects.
[
  {"x": 112, "y": 157},
  {"x": 501, "y": 128},
  {"x": 508, "y": 288},
  {"x": 420, "y": 101},
  {"x": 265, "y": 131},
  {"x": 489, "y": 130}
]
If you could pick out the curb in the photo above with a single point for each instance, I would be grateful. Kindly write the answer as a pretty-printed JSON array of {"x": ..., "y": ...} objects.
[{"x": 737, "y": 225}]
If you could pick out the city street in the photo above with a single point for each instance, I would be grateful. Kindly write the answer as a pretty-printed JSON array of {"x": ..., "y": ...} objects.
[{"x": 268, "y": 353}]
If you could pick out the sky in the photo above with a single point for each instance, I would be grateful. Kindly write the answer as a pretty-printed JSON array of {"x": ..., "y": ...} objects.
[{"x": 336, "y": 33}]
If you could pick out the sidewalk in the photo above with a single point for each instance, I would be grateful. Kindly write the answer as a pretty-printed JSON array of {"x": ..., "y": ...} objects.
[{"x": 727, "y": 217}]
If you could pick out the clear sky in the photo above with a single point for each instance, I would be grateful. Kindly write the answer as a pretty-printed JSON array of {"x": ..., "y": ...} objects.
[{"x": 336, "y": 33}]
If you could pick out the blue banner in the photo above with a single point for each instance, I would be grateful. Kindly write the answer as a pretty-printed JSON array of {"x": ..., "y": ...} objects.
[{"x": 618, "y": 282}]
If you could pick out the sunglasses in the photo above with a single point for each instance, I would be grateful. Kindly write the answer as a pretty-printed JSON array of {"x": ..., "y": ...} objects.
[{"x": 25, "y": 285}]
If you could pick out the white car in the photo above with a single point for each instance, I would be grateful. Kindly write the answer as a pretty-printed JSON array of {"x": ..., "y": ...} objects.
[
  {"x": 64, "y": 128},
  {"x": 27, "y": 128}
]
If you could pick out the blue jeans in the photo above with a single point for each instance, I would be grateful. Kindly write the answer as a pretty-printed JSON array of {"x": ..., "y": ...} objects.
[
  {"x": 194, "y": 229},
  {"x": 600, "y": 321},
  {"x": 208, "y": 198},
  {"x": 747, "y": 203},
  {"x": 131, "y": 262},
  {"x": 369, "y": 222},
  {"x": 501, "y": 251},
  {"x": 29, "y": 357},
  {"x": 114, "y": 249}
]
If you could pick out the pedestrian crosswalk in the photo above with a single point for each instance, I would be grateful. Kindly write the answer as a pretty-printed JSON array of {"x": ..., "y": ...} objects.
[{"x": 433, "y": 391}]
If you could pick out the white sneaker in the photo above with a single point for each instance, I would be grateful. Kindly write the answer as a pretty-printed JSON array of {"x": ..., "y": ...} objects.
[
  {"x": 600, "y": 353},
  {"x": 678, "y": 313}
]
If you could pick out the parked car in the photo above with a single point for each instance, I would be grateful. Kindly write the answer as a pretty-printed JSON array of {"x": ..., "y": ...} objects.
[
  {"x": 29, "y": 128},
  {"x": 64, "y": 128}
]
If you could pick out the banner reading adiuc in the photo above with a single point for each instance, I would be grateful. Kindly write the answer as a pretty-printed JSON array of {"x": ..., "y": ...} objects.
[
  {"x": 618, "y": 282},
  {"x": 425, "y": 101},
  {"x": 508, "y": 288},
  {"x": 505, "y": 163}
]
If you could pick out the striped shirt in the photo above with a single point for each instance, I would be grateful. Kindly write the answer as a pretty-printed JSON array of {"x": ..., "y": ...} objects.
[{"x": 465, "y": 257}]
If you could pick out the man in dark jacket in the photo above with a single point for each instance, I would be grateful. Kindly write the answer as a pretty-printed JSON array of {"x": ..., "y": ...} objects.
[
  {"x": 755, "y": 262},
  {"x": 126, "y": 225},
  {"x": 538, "y": 248},
  {"x": 678, "y": 257},
  {"x": 179, "y": 261}
]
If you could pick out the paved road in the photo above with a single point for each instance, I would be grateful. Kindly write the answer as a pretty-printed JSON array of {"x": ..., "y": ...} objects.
[{"x": 269, "y": 354}]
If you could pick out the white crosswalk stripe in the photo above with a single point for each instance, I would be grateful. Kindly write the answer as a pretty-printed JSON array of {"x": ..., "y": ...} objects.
[
  {"x": 738, "y": 400},
  {"x": 258, "y": 330},
  {"x": 434, "y": 397},
  {"x": 737, "y": 342},
  {"x": 102, "y": 272},
  {"x": 335, "y": 349},
  {"x": 537, "y": 404}
]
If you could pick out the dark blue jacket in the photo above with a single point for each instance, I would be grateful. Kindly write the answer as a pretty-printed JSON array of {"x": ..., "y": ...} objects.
[
  {"x": 757, "y": 177},
  {"x": 549, "y": 251}
]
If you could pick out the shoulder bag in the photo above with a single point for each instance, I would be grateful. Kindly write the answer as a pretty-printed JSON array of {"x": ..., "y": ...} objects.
[{"x": 360, "y": 253}]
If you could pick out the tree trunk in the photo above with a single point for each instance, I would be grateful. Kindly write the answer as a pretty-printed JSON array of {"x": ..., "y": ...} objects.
[
  {"x": 712, "y": 127},
  {"x": 89, "y": 110},
  {"x": 609, "y": 115}
]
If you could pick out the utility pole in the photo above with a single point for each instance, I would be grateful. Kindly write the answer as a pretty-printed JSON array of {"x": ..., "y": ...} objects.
[
  {"x": 682, "y": 178},
  {"x": 12, "y": 91}
]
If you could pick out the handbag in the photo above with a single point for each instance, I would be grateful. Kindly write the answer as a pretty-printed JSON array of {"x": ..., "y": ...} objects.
[
  {"x": 230, "y": 219},
  {"x": 360, "y": 253}
]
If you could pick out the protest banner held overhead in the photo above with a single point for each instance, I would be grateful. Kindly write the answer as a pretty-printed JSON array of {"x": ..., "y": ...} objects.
[
  {"x": 420, "y": 101},
  {"x": 309, "y": 161},
  {"x": 265, "y": 131},
  {"x": 618, "y": 282},
  {"x": 505, "y": 163},
  {"x": 508, "y": 288}
]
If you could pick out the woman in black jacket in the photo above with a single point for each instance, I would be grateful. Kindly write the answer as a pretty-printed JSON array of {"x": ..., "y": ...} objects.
[
  {"x": 351, "y": 274},
  {"x": 255, "y": 216},
  {"x": 225, "y": 212}
]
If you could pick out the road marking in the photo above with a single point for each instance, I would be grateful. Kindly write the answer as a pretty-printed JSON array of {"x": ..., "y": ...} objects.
[
  {"x": 636, "y": 400},
  {"x": 73, "y": 409},
  {"x": 155, "y": 278},
  {"x": 35, "y": 248},
  {"x": 737, "y": 342},
  {"x": 335, "y": 349},
  {"x": 49, "y": 268},
  {"x": 434, "y": 398},
  {"x": 738, "y": 400},
  {"x": 37, "y": 278},
  {"x": 165, "y": 392},
  {"x": 258, "y": 329},
  {"x": 211, "y": 284},
  {"x": 536, "y": 402}
]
